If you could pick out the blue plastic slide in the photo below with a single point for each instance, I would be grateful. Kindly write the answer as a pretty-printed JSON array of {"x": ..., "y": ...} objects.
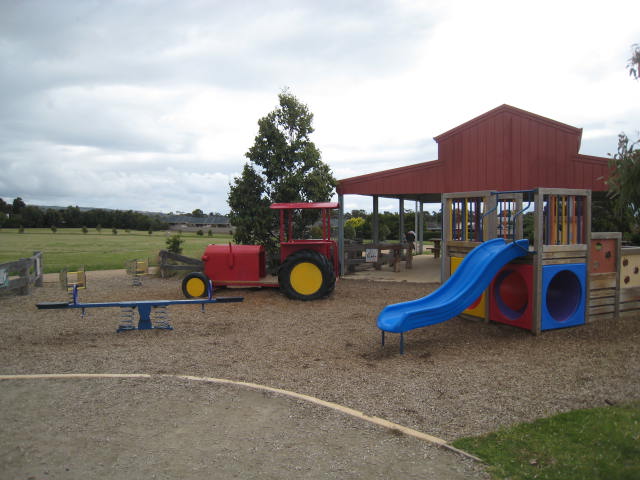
[{"x": 471, "y": 278}]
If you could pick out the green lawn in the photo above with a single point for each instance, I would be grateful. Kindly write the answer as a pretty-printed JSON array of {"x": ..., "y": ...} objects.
[
  {"x": 71, "y": 249},
  {"x": 595, "y": 444}
]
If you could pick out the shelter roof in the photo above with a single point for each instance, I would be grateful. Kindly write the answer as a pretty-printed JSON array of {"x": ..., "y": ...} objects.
[
  {"x": 506, "y": 148},
  {"x": 504, "y": 108}
]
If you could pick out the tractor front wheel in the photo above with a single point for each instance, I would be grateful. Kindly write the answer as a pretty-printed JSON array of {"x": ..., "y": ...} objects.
[
  {"x": 195, "y": 285},
  {"x": 306, "y": 275}
]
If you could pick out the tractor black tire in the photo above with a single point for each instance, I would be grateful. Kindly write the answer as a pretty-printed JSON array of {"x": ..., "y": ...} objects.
[
  {"x": 195, "y": 285},
  {"x": 306, "y": 275}
]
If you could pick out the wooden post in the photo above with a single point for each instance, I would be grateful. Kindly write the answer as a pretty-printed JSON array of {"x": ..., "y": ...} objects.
[
  {"x": 401, "y": 223},
  {"x": 489, "y": 225},
  {"x": 420, "y": 228},
  {"x": 536, "y": 321},
  {"x": 341, "y": 234},
  {"x": 38, "y": 269},
  {"x": 375, "y": 227},
  {"x": 445, "y": 208}
]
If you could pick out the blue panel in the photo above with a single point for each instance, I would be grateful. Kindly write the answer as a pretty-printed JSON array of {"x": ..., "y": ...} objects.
[{"x": 563, "y": 295}]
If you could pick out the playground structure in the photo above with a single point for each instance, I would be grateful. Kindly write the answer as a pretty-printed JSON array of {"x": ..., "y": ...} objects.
[
  {"x": 307, "y": 270},
  {"x": 152, "y": 314},
  {"x": 137, "y": 268},
  {"x": 563, "y": 276},
  {"x": 73, "y": 281}
]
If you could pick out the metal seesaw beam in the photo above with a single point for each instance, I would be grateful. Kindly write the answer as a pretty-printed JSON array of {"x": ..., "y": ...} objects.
[{"x": 144, "y": 307}]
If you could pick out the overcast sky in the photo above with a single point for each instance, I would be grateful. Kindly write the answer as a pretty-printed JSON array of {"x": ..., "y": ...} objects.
[{"x": 151, "y": 105}]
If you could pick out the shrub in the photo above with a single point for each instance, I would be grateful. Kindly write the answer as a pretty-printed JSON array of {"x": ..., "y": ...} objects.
[
  {"x": 200, "y": 233},
  {"x": 174, "y": 243},
  {"x": 384, "y": 232},
  {"x": 349, "y": 231},
  {"x": 315, "y": 232},
  {"x": 85, "y": 230},
  {"x": 114, "y": 231},
  {"x": 54, "y": 229}
]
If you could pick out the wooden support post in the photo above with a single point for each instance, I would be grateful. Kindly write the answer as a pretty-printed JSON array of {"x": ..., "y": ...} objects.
[
  {"x": 375, "y": 227},
  {"x": 341, "y": 234},
  {"x": 420, "y": 228},
  {"x": 401, "y": 222},
  {"x": 587, "y": 219},
  {"x": 445, "y": 209},
  {"x": 536, "y": 321}
]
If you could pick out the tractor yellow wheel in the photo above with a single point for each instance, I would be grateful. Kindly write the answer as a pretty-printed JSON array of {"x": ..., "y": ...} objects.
[
  {"x": 195, "y": 285},
  {"x": 306, "y": 278},
  {"x": 306, "y": 275}
]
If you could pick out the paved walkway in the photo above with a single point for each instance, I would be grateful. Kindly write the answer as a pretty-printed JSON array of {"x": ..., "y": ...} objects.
[{"x": 139, "y": 426}]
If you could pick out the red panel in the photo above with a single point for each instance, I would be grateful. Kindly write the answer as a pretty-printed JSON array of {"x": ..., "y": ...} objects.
[
  {"x": 603, "y": 256},
  {"x": 227, "y": 263},
  {"x": 511, "y": 296}
]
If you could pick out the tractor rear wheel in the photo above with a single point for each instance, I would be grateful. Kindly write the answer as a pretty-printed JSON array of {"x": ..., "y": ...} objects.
[
  {"x": 306, "y": 275},
  {"x": 195, "y": 285}
]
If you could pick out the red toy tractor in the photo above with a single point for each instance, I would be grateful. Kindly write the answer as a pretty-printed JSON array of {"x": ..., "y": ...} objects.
[{"x": 308, "y": 268}]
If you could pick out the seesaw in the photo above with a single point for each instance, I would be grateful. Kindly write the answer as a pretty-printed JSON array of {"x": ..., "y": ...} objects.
[{"x": 145, "y": 309}]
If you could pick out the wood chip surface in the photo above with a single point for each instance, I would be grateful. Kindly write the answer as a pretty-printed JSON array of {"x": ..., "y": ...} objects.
[{"x": 455, "y": 379}]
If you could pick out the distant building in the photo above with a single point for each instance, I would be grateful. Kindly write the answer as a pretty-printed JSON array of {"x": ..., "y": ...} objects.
[{"x": 185, "y": 223}]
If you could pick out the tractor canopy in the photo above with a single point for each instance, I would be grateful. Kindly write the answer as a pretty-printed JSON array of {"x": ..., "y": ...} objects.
[
  {"x": 289, "y": 245},
  {"x": 304, "y": 205}
]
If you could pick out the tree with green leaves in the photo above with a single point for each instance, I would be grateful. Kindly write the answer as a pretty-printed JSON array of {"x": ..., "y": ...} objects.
[
  {"x": 17, "y": 205},
  {"x": 624, "y": 180},
  {"x": 284, "y": 166}
]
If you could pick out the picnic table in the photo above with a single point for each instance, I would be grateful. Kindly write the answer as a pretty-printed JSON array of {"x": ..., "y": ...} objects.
[{"x": 436, "y": 248}]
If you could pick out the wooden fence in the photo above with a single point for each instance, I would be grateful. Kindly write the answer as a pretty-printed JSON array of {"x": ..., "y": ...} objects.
[
  {"x": 168, "y": 263},
  {"x": 19, "y": 276}
]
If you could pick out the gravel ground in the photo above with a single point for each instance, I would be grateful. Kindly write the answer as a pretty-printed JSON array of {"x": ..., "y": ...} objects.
[{"x": 455, "y": 379}]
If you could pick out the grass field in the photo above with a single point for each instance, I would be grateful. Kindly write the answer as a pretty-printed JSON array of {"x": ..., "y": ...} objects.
[
  {"x": 71, "y": 249},
  {"x": 598, "y": 444}
]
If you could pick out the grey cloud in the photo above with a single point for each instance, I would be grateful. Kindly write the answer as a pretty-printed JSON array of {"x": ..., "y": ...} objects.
[{"x": 61, "y": 43}]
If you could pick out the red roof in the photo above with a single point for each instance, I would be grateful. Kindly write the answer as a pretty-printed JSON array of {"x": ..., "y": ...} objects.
[{"x": 504, "y": 149}]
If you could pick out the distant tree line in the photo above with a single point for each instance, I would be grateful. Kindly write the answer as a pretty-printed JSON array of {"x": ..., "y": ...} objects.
[{"x": 17, "y": 214}]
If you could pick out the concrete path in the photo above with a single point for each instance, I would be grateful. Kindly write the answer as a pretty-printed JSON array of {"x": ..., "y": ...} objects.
[{"x": 170, "y": 427}]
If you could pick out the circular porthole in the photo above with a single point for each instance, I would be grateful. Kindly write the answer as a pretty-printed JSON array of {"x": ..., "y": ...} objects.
[
  {"x": 511, "y": 294},
  {"x": 564, "y": 294}
]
